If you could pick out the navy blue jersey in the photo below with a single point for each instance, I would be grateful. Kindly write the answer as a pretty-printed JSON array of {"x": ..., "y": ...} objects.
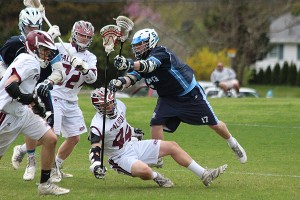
[
  {"x": 172, "y": 77},
  {"x": 15, "y": 46},
  {"x": 12, "y": 48}
]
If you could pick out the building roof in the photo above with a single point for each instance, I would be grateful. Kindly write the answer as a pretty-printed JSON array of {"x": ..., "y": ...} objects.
[{"x": 285, "y": 29}]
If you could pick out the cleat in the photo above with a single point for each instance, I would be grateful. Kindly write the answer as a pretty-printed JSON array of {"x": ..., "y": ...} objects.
[
  {"x": 162, "y": 181},
  {"x": 240, "y": 153},
  {"x": 56, "y": 175},
  {"x": 65, "y": 175},
  {"x": 159, "y": 163},
  {"x": 49, "y": 188},
  {"x": 210, "y": 174},
  {"x": 17, "y": 157},
  {"x": 30, "y": 169}
]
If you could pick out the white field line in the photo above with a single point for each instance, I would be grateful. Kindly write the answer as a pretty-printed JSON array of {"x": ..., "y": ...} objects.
[
  {"x": 4, "y": 168},
  {"x": 264, "y": 126}
]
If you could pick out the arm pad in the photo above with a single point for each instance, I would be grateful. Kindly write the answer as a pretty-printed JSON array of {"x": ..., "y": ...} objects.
[
  {"x": 90, "y": 76},
  {"x": 147, "y": 66},
  {"x": 14, "y": 91},
  {"x": 58, "y": 74}
]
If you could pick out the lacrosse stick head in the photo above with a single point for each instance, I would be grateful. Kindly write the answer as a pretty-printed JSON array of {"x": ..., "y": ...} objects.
[
  {"x": 125, "y": 25},
  {"x": 110, "y": 34},
  {"x": 30, "y": 19},
  {"x": 35, "y": 4}
]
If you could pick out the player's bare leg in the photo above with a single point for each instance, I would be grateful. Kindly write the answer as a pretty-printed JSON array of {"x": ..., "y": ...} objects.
[
  {"x": 64, "y": 151},
  {"x": 45, "y": 187},
  {"x": 184, "y": 159},
  {"x": 223, "y": 131}
]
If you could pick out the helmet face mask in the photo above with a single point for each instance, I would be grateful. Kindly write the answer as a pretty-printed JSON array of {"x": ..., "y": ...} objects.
[
  {"x": 143, "y": 42},
  {"x": 30, "y": 19},
  {"x": 40, "y": 45},
  {"x": 82, "y": 35},
  {"x": 97, "y": 98}
]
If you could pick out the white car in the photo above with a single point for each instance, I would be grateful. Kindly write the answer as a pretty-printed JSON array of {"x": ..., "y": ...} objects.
[{"x": 214, "y": 92}]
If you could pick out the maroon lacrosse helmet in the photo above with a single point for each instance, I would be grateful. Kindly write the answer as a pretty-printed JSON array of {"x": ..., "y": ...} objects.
[
  {"x": 97, "y": 98},
  {"x": 82, "y": 35},
  {"x": 40, "y": 45}
]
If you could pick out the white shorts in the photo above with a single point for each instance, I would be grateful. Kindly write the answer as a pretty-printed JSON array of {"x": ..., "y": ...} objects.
[
  {"x": 230, "y": 83},
  {"x": 146, "y": 151},
  {"x": 68, "y": 118},
  {"x": 29, "y": 124}
]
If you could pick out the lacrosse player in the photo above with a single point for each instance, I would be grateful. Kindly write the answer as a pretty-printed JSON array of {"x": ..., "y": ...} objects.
[
  {"x": 80, "y": 69},
  {"x": 16, "y": 93},
  {"x": 31, "y": 19},
  {"x": 132, "y": 157},
  {"x": 181, "y": 98}
]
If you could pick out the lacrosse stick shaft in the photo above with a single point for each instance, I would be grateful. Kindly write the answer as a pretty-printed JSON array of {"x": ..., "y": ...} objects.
[
  {"x": 121, "y": 47},
  {"x": 59, "y": 39},
  {"x": 104, "y": 113}
]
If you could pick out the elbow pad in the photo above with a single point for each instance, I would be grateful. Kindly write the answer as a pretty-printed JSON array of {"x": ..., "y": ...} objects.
[
  {"x": 58, "y": 74},
  {"x": 147, "y": 66},
  {"x": 14, "y": 91},
  {"x": 90, "y": 76}
]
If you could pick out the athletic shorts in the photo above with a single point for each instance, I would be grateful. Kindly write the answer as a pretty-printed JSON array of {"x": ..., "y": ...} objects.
[
  {"x": 229, "y": 84},
  {"x": 68, "y": 118},
  {"x": 29, "y": 124},
  {"x": 192, "y": 108},
  {"x": 146, "y": 151}
]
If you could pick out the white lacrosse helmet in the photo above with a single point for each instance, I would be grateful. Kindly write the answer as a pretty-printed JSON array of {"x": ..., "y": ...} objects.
[
  {"x": 143, "y": 41},
  {"x": 82, "y": 35},
  {"x": 97, "y": 98},
  {"x": 30, "y": 19},
  {"x": 40, "y": 45}
]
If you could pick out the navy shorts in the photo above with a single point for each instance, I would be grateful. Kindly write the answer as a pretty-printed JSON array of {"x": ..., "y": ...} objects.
[{"x": 192, "y": 108}]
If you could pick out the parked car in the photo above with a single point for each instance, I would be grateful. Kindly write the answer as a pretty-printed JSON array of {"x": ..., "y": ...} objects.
[{"x": 210, "y": 90}]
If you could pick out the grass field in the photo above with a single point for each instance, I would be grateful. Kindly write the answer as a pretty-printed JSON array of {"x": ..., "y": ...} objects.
[{"x": 268, "y": 129}]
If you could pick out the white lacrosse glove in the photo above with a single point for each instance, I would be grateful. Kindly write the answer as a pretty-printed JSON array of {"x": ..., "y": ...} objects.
[
  {"x": 121, "y": 63},
  {"x": 117, "y": 84},
  {"x": 79, "y": 64},
  {"x": 54, "y": 31},
  {"x": 96, "y": 169}
]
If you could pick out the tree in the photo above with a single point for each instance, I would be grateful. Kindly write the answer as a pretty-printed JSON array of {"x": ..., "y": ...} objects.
[
  {"x": 284, "y": 72},
  {"x": 276, "y": 74},
  {"x": 268, "y": 76},
  {"x": 292, "y": 76}
]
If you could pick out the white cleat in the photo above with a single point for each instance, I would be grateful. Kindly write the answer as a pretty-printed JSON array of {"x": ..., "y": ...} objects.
[
  {"x": 162, "y": 181},
  {"x": 210, "y": 174},
  {"x": 30, "y": 169},
  {"x": 65, "y": 175},
  {"x": 49, "y": 188},
  {"x": 240, "y": 152},
  {"x": 159, "y": 163},
  {"x": 17, "y": 157},
  {"x": 56, "y": 175}
]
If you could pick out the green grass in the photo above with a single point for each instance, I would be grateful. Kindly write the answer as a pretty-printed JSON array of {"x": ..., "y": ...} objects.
[
  {"x": 267, "y": 128},
  {"x": 278, "y": 91}
]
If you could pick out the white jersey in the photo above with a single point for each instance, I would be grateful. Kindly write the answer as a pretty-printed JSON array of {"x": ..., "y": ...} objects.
[
  {"x": 28, "y": 70},
  {"x": 69, "y": 89},
  {"x": 225, "y": 75},
  {"x": 117, "y": 131}
]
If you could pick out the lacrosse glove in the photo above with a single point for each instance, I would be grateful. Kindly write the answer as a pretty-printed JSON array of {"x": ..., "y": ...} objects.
[
  {"x": 79, "y": 64},
  {"x": 54, "y": 31},
  {"x": 117, "y": 84},
  {"x": 96, "y": 169},
  {"x": 138, "y": 133},
  {"x": 121, "y": 63},
  {"x": 42, "y": 89}
]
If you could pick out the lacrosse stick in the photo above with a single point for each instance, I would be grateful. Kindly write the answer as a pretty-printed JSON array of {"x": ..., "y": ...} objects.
[
  {"x": 37, "y": 4},
  {"x": 109, "y": 33},
  {"x": 125, "y": 25}
]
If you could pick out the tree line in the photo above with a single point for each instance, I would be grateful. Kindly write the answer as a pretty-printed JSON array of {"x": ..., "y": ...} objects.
[{"x": 287, "y": 74}]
